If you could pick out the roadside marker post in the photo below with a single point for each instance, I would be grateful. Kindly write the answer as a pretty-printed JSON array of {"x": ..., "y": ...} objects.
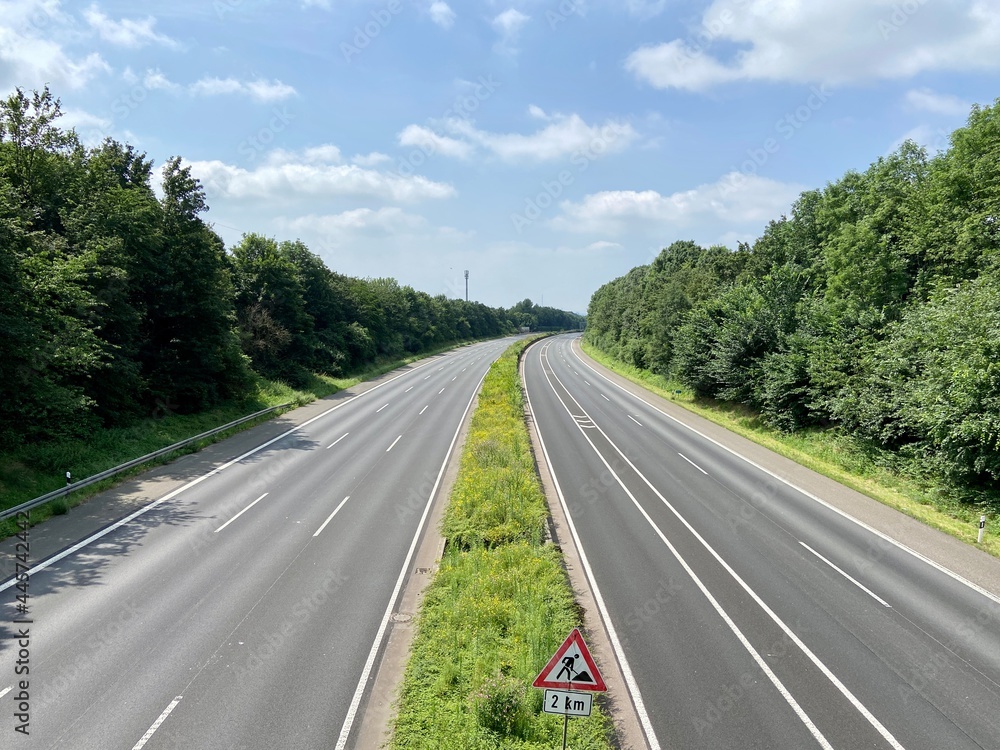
[
  {"x": 570, "y": 680},
  {"x": 982, "y": 528}
]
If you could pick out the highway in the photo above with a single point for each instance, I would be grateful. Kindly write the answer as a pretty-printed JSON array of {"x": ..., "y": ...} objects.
[
  {"x": 247, "y": 609},
  {"x": 747, "y": 613}
]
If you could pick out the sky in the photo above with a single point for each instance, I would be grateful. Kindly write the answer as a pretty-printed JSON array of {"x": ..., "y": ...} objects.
[{"x": 546, "y": 146}]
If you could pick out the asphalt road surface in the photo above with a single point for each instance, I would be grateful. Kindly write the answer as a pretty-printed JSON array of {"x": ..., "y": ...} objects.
[
  {"x": 248, "y": 609},
  {"x": 748, "y": 614}
]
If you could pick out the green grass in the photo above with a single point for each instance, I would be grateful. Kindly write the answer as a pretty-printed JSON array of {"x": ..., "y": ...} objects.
[
  {"x": 34, "y": 470},
  {"x": 499, "y": 606},
  {"x": 829, "y": 453}
]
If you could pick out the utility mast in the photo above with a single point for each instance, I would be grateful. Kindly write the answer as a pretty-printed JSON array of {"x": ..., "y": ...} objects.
[{"x": 466, "y": 286}]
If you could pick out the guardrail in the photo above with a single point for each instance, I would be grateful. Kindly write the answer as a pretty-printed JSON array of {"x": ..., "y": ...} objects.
[{"x": 70, "y": 488}]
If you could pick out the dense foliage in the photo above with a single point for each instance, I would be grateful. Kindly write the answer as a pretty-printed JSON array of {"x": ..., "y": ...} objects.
[
  {"x": 873, "y": 309},
  {"x": 116, "y": 303}
]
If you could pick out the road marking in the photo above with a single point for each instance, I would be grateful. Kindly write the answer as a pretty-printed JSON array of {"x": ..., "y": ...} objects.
[
  {"x": 335, "y": 511},
  {"x": 5, "y": 691},
  {"x": 240, "y": 513},
  {"x": 408, "y": 389},
  {"x": 441, "y": 391},
  {"x": 380, "y": 409},
  {"x": 858, "y": 705},
  {"x": 352, "y": 710},
  {"x": 423, "y": 410},
  {"x": 634, "y": 420},
  {"x": 156, "y": 724},
  {"x": 427, "y": 378},
  {"x": 48, "y": 562},
  {"x": 454, "y": 379},
  {"x": 337, "y": 440},
  {"x": 464, "y": 369},
  {"x": 860, "y": 585},
  {"x": 605, "y": 397},
  {"x": 816, "y": 498},
  {"x": 587, "y": 382},
  {"x": 633, "y": 686},
  {"x": 393, "y": 444},
  {"x": 755, "y": 655},
  {"x": 693, "y": 463}
]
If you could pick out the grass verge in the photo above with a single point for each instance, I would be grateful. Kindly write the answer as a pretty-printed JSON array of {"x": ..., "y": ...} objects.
[
  {"x": 826, "y": 452},
  {"x": 500, "y": 604},
  {"x": 36, "y": 469}
]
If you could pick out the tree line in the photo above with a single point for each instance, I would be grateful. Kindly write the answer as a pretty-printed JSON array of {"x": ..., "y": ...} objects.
[
  {"x": 873, "y": 309},
  {"x": 117, "y": 303}
]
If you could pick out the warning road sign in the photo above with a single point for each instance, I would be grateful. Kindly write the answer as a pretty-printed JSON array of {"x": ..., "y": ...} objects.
[{"x": 571, "y": 668}]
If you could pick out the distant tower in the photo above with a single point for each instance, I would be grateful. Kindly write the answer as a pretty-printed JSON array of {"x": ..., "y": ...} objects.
[{"x": 466, "y": 286}]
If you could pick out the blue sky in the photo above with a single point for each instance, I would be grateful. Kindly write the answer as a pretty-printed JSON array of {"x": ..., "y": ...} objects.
[{"x": 546, "y": 146}]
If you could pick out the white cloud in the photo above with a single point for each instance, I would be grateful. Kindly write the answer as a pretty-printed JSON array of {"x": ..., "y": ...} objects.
[
  {"x": 442, "y": 14},
  {"x": 926, "y": 100},
  {"x": 30, "y": 58},
  {"x": 261, "y": 90},
  {"x": 734, "y": 200},
  {"x": 790, "y": 40},
  {"x": 360, "y": 221},
  {"x": 315, "y": 173},
  {"x": 428, "y": 140},
  {"x": 508, "y": 25},
  {"x": 563, "y": 136},
  {"x": 155, "y": 79},
  {"x": 126, "y": 33},
  {"x": 370, "y": 160}
]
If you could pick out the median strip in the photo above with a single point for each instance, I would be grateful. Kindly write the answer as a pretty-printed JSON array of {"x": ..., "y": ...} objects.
[{"x": 500, "y": 604}]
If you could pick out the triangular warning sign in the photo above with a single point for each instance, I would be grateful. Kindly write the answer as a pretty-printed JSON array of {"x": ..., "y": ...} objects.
[{"x": 572, "y": 668}]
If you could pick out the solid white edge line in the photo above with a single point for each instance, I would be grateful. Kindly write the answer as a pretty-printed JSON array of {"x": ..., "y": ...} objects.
[
  {"x": 692, "y": 463},
  {"x": 630, "y": 682},
  {"x": 197, "y": 480},
  {"x": 634, "y": 419},
  {"x": 330, "y": 518},
  {"x": 337, "y": 440},
  {"x": 380, "y": 635},
  {"x": 393, "y": 444},
  {"x": 857, "y": 583},
  {"x": 720, "y": 610},
  {"x": 936, "y": 565},
  {"x": 156, "y": 724},
  {"x": 858, "y": 705},
  {"x": 240, "y": 513}
]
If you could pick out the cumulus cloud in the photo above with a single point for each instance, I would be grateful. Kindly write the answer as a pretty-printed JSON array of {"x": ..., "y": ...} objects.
[
  {"x": 442, "y": 14},
  {"x": 30, "y": 57},
  {"x": 317, "y": 173},
  {"x": 805, "y": 42},
  {"x": 734, "y": 200},
  {"x": 126, "y": 32},
  {"x": 563, "y": 136},
  {"x": 508, "y": 25},
  {"x": 926, "y": 100},
  {"x": 259, "y": 89}
]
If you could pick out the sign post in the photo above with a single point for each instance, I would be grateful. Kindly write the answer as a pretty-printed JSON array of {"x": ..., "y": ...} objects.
[{"x": 570, "y": 680}]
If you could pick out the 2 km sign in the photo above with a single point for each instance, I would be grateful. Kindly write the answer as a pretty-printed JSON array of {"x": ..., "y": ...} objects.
[{"x": 570, "y": 670}]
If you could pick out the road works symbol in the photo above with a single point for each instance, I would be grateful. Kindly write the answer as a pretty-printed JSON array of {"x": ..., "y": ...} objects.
[{"x": 571, "y": 668}]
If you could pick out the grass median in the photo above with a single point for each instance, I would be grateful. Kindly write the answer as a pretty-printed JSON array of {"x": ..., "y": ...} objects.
[{"x": 500, "y": 604}]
